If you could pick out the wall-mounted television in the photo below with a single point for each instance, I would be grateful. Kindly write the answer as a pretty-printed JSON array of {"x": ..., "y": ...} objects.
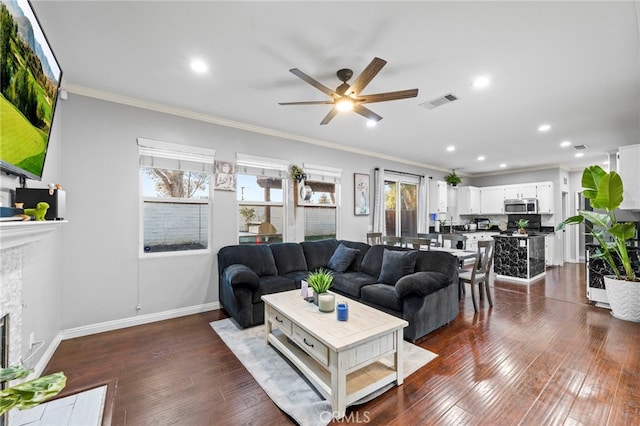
[{"x": 29, "y": 81}]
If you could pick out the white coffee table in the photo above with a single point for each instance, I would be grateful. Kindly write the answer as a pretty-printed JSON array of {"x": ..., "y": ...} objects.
[{"x": 342, "y": 359}]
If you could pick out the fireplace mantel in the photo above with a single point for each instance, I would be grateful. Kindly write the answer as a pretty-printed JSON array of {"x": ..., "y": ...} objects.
[{"x": 13, "y": 234}]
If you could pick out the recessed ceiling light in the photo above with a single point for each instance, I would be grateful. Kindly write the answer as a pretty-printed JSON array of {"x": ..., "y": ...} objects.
[
  {"x": 605, "y": 162},
  {"x": 544, "y": 128},
  {"x": 481, "y": 158},
  {"x": 451, "y": 148},
  {"x": 481, "y": 82},
  {"x": 565, "y": 143},
  {"x": 579, "y": 154},
  {"x": 199, "y": 66},
  {"x": 502, "y": 166},
  {"x": 372, "y": 123}
]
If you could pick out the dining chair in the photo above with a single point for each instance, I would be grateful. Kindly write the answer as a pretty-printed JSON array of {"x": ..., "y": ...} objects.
[
  {"x": 433, "y": 237},
  {"x": 392, "y": 240},
  {"x": 417, "y": 243},
  {"x": 480, "y": 273},
  {"x": 374, "y": 238},
  {"x": 458, "y": 241}
]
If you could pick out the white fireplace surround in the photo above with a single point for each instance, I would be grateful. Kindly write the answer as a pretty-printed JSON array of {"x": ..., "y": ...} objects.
[{"x": 14, "y": 236}]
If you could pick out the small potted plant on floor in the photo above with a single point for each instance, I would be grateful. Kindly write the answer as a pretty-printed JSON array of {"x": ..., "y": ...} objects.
[
  {"x": 28, "y": 394},
  {"x": 522, "y": 225},
  {"x": 452, "y": 178},
  {"x": 320, "y": 281},
  {"x": 604, "y": 190}
]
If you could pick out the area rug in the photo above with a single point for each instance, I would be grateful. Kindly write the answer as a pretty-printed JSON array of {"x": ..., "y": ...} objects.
[{"x": 288, "y": 389}]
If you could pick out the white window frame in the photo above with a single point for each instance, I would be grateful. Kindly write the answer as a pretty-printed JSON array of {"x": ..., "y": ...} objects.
[
  {"x": 167, "y": 152},
  {"x": 320, "y": 173},
  {"x": 255, "y": 165}
]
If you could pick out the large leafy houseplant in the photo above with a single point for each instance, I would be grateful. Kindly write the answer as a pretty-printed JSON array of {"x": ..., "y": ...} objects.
[
  {"x": 604, "y": 191},
  {"x": 28, "y": 394}
]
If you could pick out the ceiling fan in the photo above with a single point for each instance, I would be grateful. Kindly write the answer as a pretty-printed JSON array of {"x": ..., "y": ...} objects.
[{"x": 349, "y": 97}]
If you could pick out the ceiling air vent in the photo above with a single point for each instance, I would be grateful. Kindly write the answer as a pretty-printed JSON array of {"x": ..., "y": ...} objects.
[
  {"x": 580, "y": 147},
  {"x": 434, "y": 103}
]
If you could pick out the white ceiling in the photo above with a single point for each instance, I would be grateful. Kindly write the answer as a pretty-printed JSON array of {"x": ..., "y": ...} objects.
[{"x": 574, "y": 65}]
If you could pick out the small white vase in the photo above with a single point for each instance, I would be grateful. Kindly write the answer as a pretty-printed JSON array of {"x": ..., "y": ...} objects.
[{"x": 624, "y": 298}]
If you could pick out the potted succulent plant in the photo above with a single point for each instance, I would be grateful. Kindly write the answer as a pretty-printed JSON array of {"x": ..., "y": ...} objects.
[
  {"x": 452, "y": 178},
  {"x": 604, "y": 190},
  {"x": 28, "y": 394},
  {"x": 522, "y": 225},
  {"x": 320, "y": 281}
]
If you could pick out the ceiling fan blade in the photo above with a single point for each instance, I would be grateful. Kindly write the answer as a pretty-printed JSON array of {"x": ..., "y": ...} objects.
[
  {"x": 367, "y": 75},
  {"x": 329, "y": 116},
  {"x": 366, "y": 112},
  {"x": 307, "y": 103},
  {"x": 315, "y": 83},
  {"x": 388, "y": 96}
]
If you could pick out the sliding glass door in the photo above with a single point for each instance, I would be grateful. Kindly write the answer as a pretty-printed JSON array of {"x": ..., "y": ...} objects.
[{"x": 401, "y": 205}]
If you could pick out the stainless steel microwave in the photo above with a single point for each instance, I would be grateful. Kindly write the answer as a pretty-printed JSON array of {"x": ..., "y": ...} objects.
[{"x": 521, "y": 206}]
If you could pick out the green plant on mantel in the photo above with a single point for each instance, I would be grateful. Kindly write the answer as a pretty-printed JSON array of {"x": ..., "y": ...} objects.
[
  {"x": 452, "y": 178},
  {"x": 320, "y": 280},
  {"x": 604, "y": 190},
  {"x": 28, "y": 394}
]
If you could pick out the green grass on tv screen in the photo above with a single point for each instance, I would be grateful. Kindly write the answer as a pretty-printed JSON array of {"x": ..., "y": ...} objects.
[{"x": 22, "y": 144}]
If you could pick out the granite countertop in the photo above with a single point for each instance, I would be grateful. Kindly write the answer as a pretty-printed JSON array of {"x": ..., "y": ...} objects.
[{"x": 538, "y": 235}]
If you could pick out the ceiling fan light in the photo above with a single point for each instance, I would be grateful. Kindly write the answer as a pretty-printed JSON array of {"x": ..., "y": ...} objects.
[{"x": 344, "y": 105}]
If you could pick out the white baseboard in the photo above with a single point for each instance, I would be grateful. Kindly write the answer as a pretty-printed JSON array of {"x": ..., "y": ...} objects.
[{"x": 87, "y": 330}]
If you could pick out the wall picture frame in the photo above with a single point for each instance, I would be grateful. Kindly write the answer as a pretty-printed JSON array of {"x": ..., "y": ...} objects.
[
  {"x": 225, "y": 176},
  {"x": 361, "y": 194}
]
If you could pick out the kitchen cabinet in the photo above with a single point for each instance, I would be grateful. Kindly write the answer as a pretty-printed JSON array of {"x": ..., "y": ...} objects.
[
  {"x": 492, "y": 200},
  {"x": 474, "y": 237},
  {"x": 520, "y": 191},
  {"x": 545, "y": 197},
  {"x": 628, "y": 159},
  {"x": 438, "y": 198},
  {"x": 468, "y": 200}
]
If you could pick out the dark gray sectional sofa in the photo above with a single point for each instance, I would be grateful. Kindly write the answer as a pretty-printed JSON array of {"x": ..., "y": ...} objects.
[{"x": 419, "y": 286}]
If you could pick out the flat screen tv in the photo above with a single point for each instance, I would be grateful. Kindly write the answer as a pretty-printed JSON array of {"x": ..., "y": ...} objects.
[{"x": 29, "y": 81}]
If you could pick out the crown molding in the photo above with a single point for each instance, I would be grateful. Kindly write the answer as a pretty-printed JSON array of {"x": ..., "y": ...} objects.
[{"x": 207, "y": 118}]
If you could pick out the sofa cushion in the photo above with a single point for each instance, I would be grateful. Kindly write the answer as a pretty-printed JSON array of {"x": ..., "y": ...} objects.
[
  {"x": 396, "y": 264},
  {"x": 258, "y": 258},
  {"x": 342, "y": 258},
  {"x": 289, "y": 257},
  {"x": 363, "y": 248},
  {"x": 382, "y": 295},
  {"x": 350, "y": 283},
  {"x": 421, "y": 284},
  {"x": 272, "y": 284},
  {"x": 318, "y": 253}
]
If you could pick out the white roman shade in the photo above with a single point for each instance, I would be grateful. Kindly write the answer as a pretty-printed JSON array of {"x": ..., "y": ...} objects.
[
  {"x": 165, "y": 155},
  {"x": 262, "y": 166},
  {"x": 319, "y": 173}
]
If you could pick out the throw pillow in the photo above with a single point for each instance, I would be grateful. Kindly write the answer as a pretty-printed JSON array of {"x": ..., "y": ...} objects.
[
  {"x": 342, "y": 257},
  {"x": 396, "y": 264}
]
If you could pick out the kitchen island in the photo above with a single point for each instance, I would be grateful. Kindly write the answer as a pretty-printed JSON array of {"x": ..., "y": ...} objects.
[{"x": 519, "y": 257}]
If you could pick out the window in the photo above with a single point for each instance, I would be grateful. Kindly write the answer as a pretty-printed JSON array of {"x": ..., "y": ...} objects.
[
  {"x": 321, "y": 210},
  {"x": 261, "y": 191},
  {"x": 175, "y": 192}
]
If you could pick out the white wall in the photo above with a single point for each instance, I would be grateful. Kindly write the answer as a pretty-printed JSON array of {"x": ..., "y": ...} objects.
[{"x": 103, "y": 277}]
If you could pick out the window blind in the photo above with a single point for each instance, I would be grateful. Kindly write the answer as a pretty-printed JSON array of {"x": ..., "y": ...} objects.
[
  {"x": 165, "y": 155},
  {"x": 320, "y": 173},
  {"x": 262, "y": 166}
]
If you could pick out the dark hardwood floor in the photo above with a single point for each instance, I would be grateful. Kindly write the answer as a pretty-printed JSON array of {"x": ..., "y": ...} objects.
[{"x": 543, "y": 358}]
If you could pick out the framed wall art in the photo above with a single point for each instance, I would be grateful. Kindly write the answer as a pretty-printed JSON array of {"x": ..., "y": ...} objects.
[
  {"x": 361, "y": 194},
  {"x": 225, "y": 176}
]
